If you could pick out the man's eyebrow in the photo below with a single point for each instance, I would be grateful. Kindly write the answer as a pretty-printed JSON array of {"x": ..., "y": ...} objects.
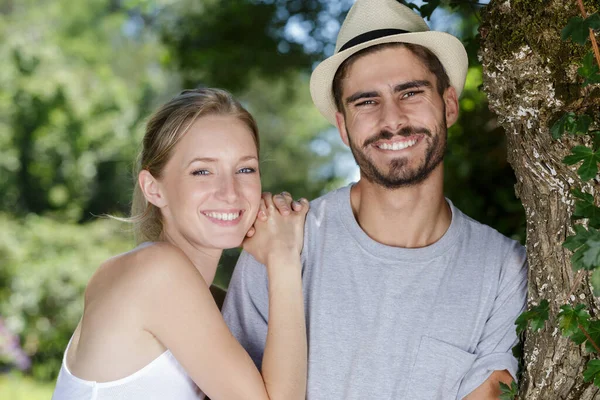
[
  {"x": 412, "y": 85},
  {"x": 398, "y": 88},
  {"x": 361, "y": 95}
]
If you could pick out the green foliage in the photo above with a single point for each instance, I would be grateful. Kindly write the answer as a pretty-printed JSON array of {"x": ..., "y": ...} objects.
[
  {"x": 578, "y": 29},
  {"x": 429, "y": 7},
  {"x": 536, "y": 317},
  {"x": 74, "y": 89},
  {"x": 589, "y": 168},
  {"x": 572, "y": 124},
  {"x": 569, "y": 319},
  {"x": 592, "y": 372},
  {"x": 508, "y": 392},
  {"x": 17, "y": 387},
  {"x": 595, "y": 281},
  {"x": 584, "y": 245},
  {"x": 224, "y": 44},
  {"x": 586, "y": 208},
  {"x": 589, "y": 70},
  {"x": 592, "y": 329},
  {"x": 44, "y": 268}
]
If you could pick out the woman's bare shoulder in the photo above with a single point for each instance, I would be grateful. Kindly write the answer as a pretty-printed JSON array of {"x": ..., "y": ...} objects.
[{"x": 148, "y": 266}]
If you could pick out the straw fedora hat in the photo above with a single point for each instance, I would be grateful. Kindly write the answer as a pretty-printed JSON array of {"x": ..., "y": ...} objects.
[{"x": 372, "y": 22}]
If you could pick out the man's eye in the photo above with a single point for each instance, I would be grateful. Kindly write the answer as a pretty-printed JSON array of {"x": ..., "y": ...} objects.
[
  {"x": 365, "y": 103},
  {"x": 247, "y": 170},
  {"x": 200, "y": 172},
  {"x": 411, "y": 93}
]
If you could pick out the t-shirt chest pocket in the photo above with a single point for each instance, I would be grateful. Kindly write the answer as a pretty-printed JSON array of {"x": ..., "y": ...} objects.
[{"x": 437, "y": 371}]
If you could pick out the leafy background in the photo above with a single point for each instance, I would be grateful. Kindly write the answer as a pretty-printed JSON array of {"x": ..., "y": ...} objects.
[{"x": 77, "y": 82}]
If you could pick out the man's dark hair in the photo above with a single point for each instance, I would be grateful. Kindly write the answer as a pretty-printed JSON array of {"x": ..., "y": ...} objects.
[{"x": 426, "y": 56}]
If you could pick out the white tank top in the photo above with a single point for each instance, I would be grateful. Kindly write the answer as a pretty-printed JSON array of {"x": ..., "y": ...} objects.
[{"x": 163, "y": 378}]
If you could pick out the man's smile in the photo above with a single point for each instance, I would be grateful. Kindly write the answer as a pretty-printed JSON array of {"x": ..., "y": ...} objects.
[{"x": 396, "y": 145}]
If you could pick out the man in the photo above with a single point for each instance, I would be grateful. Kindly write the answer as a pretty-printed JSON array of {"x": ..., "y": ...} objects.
[{"x": 406, "y": 297}]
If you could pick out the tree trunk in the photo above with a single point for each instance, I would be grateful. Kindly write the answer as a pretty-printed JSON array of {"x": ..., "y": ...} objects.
[{"x": 530, "y": 77}]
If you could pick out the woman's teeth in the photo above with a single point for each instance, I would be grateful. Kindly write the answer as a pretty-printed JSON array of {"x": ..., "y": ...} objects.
[{"x": 223, "y": 216}]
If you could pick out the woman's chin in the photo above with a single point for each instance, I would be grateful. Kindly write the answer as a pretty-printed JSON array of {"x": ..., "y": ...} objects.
[{"x": 228, "y": 243}]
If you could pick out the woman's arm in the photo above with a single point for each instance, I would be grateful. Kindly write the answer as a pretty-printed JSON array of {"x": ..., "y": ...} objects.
[
  {"x": 182, "y": 315},
  {"x": 277, "y": 244}
]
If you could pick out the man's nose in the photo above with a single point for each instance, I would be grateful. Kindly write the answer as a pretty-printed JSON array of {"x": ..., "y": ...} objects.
[{"x": 392, "y": 116}]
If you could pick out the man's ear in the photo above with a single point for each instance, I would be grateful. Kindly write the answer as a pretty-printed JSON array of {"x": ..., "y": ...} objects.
[
  {"x": 151, "y": 189},
  {"x": 451, "y": 102},
  {"x": 340, "y": 121}
]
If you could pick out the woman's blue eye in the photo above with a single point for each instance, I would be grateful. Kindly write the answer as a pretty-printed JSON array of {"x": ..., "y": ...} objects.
[
  {"x": 247, "y": 170},
  {"x": 200, "y": 172}
]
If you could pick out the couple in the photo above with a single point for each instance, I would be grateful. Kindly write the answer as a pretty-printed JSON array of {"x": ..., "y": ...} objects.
[{"x": 400, "y": 295}]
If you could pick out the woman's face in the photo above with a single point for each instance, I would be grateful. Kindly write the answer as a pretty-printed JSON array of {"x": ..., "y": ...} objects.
[{"x": 211, "y": 184}]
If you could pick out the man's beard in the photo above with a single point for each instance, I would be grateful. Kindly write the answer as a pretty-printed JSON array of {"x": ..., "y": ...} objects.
[{"x": 399, "y": 174}]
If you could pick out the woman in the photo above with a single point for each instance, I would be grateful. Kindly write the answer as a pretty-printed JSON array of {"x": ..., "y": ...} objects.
[{"x": 150, "y": 328}]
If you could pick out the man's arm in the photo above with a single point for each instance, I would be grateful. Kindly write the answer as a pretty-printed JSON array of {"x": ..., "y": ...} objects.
[
  {"x": 490, "y": 389},
  {"x": 495, "y": 362},
  {"x": 246, "y": 306}
]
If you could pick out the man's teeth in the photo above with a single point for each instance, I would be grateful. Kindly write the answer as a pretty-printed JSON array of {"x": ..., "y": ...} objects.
[
  {"x": 223, "y": 216},
  {"x": 397, "y": 145}
]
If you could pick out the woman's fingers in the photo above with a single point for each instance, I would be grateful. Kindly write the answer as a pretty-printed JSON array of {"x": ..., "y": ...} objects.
[
  {"x": 283, "y": 202},
  {"x": 262, "y": 211},
  {"x": 268, "y": 201},
  {"x": 300, "y": 205}
]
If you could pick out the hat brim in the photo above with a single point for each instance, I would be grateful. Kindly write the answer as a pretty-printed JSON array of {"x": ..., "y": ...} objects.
[{"x": 447, "y": 48}]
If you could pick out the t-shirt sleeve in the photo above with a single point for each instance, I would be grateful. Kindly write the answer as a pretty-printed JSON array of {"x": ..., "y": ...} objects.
[
  {"x": 494, "y": 350},
  {"x": 246, "y": 306}
]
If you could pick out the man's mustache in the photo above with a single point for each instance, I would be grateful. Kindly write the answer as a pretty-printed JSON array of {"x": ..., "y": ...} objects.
[{"x": 404, "y": 131}]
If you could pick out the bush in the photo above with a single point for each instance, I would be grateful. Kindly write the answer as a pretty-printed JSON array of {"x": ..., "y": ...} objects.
[{"x": 44, "y": 268}]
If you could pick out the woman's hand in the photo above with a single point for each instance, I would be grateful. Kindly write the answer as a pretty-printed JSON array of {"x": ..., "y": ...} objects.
[
  {"x": 279, "y": 228},
  {"x": 284, "y": 204}
]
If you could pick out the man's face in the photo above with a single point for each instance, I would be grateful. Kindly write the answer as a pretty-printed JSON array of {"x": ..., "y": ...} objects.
[{"x": 394, "y": 119}]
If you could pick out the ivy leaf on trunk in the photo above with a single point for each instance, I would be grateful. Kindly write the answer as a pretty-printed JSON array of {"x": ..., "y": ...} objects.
[
  {"x": 590, "y": 158},
  {"x": 592, "y": 372}
]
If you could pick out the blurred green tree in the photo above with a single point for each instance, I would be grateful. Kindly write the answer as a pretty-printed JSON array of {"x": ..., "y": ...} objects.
[{"x": 74, "y": 89}]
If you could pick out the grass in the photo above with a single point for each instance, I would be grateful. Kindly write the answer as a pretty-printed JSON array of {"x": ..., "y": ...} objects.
[{"x": 18, "y": 387}]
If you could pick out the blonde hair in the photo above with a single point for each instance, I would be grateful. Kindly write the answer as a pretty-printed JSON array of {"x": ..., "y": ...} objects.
[{"x": 163, "y": 131}]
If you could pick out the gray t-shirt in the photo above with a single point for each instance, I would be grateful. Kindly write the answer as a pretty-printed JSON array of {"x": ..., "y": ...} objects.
[{"x": 393, "y": 323}]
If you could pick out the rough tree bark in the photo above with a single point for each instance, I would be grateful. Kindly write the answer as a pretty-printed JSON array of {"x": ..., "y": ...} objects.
[{"x": 530, "y": 76}]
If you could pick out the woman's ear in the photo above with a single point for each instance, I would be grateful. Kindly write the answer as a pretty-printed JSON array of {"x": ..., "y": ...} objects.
[{"x": 151, "y": 189}]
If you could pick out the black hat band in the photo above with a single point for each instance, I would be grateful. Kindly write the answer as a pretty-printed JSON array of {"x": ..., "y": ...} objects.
[{"x": 371, "y": 35}]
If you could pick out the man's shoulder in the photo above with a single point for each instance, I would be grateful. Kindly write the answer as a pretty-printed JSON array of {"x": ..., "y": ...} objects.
[
  {"x": 323, "y": 204},
  {"x": 480, "y": 232}
]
